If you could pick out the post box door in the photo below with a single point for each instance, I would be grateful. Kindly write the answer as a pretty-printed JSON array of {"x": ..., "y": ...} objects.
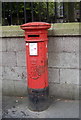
[{"x": 37, "y": 60}]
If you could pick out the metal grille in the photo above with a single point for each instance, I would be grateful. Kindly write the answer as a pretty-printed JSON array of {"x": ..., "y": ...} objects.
[{"x": 17, "y": 13}]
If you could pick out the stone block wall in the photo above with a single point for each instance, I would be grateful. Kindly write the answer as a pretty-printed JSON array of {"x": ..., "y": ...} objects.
[
  {"x": 64, "y": 66},
  {"x": 14, "y": 67},
  {"x": 63, "y": 62}
]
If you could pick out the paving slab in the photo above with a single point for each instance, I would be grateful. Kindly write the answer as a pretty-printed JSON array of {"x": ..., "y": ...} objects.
[{"x": 17, "y": 107}]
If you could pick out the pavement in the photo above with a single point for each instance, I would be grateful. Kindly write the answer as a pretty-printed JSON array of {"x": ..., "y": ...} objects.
[{"x": 17, "y": 107}]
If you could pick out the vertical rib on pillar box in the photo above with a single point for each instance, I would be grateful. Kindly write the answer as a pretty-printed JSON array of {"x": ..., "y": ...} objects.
[{"x": 37, "y": 64}]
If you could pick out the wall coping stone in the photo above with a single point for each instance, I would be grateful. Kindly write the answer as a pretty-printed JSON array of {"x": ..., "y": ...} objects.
[{"x": 57, "y": 29}]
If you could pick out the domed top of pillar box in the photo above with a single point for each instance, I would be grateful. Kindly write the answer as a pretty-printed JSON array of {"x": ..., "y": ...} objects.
[{"x": 35, "y": 25}]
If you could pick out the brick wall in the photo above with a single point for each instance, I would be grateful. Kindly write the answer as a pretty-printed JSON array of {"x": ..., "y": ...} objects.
[{"x": 63, "y": 64}]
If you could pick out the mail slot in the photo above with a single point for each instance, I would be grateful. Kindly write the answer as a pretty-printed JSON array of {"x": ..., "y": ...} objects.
[{"x": 33, "y": 35}]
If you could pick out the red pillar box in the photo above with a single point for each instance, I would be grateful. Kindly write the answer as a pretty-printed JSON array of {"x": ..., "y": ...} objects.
[{"x": 37, "y": 64}]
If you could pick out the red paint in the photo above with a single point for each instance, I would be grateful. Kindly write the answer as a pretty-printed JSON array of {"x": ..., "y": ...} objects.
[{"x": 37, "y": 65}]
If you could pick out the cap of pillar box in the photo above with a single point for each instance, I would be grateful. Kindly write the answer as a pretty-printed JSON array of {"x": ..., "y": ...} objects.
[{"x": 35, "y": 25}]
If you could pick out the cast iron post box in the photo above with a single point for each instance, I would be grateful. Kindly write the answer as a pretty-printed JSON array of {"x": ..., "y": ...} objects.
[{"x": 37, "y": 64}]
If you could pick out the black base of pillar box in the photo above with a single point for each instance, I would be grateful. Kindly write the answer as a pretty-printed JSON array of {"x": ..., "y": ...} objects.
[{"x": 38, "y": 99}]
